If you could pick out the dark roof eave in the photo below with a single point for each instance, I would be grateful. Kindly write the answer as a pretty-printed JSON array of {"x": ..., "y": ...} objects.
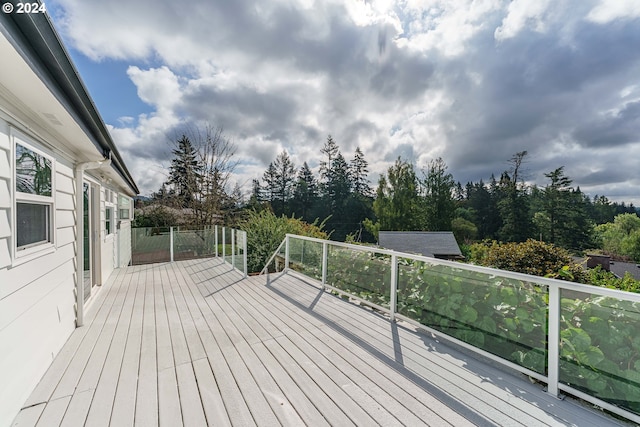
[{"x": 38, "y": 43}]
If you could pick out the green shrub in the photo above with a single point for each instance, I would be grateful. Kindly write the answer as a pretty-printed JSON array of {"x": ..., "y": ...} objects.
[
  {"x": 265, "y": 232},
  {"x": 530, "y": 257},
  {"x": 599, "y": 277}
]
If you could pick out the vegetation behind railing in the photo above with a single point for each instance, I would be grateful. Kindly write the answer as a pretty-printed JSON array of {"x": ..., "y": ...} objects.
[
  {"x": 167, "y": 244},
  {"x": 578, "y": 338}
]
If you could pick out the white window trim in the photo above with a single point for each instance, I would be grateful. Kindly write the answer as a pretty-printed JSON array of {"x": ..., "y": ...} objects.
[
  {"x": 29, "y": 253},
  {"x": 129, "y": 217},
  {"x": 112, "y": 221}
]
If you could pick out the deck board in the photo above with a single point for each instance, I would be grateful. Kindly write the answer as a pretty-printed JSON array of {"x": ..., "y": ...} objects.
[{"x": 193, "y": 343}]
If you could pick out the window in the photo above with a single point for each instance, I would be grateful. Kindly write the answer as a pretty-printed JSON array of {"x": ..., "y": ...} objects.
[
  {"x": 34, "y": 199},
  {"x": 124, "y": 206},
  {"x": 108, "y": 220}
]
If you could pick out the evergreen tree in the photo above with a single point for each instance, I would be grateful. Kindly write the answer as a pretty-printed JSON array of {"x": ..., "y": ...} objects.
[
  {"x": 482, "y": 200},
  {"x": 279, "y": 181},
  {"x": 337, "y": 198},
  {"x": 256, "y": 198},
  {"x": 330, "y": 150},
  {"x": 603, "y": 211},
  {"x": 270, "y": 179},
  {"x": 359, "y": 172},
  {"x": 185, "y": 172},
  {"x": 285, "y": 179},
  {"x": 513, "y": 204},
  {"x": 305, "y": 194},
  {"x": 556, "y": 203}
]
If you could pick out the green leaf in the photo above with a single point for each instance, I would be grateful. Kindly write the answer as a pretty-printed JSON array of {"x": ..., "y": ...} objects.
[
  {"x": 488, "y": 324},
  {"x": 468, "y": 314}
]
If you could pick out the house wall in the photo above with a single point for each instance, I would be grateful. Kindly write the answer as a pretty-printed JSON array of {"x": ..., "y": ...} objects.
[
  {"x": 115, "y": 247},
  {"x": 37, "y": 298}
]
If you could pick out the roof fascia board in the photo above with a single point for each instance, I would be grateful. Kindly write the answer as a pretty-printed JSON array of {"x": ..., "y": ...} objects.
[{"x": 37, "y": 41}]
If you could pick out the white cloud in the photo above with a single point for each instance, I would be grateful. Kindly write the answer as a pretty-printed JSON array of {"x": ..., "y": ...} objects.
[
  {"x": 523, "y": 14},
  {"x": 417, "y": 78},
  {"x": 158, "y": 87},
  {"x": 610, "y": 10}
]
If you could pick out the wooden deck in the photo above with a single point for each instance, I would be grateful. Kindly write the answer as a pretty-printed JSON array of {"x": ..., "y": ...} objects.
[{"x": 192, "y": 343}]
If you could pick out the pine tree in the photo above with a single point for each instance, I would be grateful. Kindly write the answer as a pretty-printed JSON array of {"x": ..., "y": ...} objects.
[
  {"x": 359, "y": 171},
  {"x": 185, "y": 173},
  {"x": 330, "y": 150},
  {"x": 285, "y": 180},
  {"x": 305, "y": 193},
  {"x": 279, "y": 180},
  {"x": 270, "y": 179},
  {"x": 555, "y": 203}
]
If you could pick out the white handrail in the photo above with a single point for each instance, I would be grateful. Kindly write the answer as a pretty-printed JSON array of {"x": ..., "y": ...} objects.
[
  {"x": 266, "y": 266},
  {"x": 553, "y": 286}
]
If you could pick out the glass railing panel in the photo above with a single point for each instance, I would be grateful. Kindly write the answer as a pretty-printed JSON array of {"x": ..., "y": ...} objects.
[
  {"x": 306, "y": 257},
  {"x": 600, "y": 347},
  {"x": 227, "y": 244},
  {"x": 193, "y": 243},
  {"x": 238, "y": 260},
  {"x": 149, "y": 245},
  {"x": 360, "y": 273},
  {"x": 503, "y": 316}
]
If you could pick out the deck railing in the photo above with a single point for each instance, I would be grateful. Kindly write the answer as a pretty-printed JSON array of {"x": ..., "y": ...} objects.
[
  {"x": 580, "y": 339},
  {"x": 168, "y": 244}
]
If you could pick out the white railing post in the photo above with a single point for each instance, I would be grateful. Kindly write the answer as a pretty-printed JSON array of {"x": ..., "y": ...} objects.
[
  {"x": 215, "y": 238},
  {"x": 553, "y": 340},
  {"x": 286, "y": 253},
  {"x": 244, "y": 252},
  {"x": 171, "y": 242},
  {"x": 325, "y": 257},
  {"x": 233, "y": 248},
  {"x": 394, "y": 288},
  {"x": 224, "y": 245}
]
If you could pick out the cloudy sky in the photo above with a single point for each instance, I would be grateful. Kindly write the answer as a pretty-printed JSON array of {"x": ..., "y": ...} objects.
[{"x": 471, "y": 81}]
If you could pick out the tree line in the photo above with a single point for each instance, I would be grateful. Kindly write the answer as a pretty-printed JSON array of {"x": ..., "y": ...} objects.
[
  {"x": 341, "y": 196},
  {"x": 405, "y": 199}
]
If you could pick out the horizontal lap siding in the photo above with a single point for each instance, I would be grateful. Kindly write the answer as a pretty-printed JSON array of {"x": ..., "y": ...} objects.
[
  {"x": 37, "y": 312},
  {"x": 5, "y": 195}
]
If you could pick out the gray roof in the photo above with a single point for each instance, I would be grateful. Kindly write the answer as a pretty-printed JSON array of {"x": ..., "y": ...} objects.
[
  {"x": 620, "y": 268},
  {"x": 427, "y": 243}
]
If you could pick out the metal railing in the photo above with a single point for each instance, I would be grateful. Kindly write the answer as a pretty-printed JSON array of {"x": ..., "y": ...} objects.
[
  {"x": 580, "y": 339},
  {"x": 168, "y": 244}
]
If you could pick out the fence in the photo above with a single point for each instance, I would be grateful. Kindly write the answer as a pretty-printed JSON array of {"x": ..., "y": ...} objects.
[
  {"x": 580, "y": 339},
  {"x": 168, "y": 244}
]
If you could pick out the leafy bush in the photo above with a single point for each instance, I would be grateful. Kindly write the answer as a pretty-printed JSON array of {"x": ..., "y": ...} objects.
[
  {"x": 265, "y": 232},
  {"x": 531, "y": 257},
  {"x": 155, "y": 216},
  {"x": 599, "y": 277}
]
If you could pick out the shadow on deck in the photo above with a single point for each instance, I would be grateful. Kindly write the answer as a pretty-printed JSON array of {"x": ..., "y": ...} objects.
[{"x": 193, "y": 343}]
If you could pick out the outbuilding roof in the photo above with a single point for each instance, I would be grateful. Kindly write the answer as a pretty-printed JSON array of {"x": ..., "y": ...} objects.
[{"x": 427, "y": 243}]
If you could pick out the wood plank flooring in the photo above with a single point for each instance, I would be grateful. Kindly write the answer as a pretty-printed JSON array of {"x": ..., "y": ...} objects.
[{"x": 193, "y": 343}]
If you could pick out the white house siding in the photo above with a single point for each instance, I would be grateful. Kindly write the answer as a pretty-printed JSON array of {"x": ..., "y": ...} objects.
[
  {"x": 37, "y": 312},
  {"x": 5, "y": 195}
]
